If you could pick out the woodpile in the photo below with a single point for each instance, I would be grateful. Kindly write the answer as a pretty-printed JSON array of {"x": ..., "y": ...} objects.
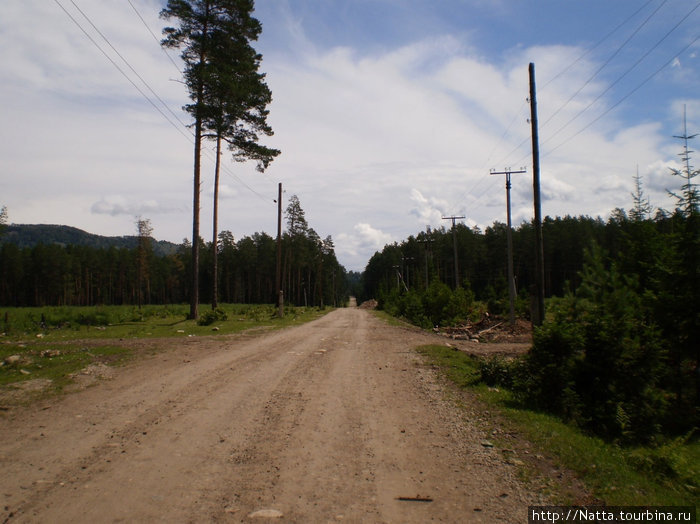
[{"x": 489, "y": 329}]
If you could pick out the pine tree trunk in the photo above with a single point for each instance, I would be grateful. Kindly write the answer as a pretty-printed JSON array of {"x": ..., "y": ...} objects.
[
  {"x": 194, "y": 297},
  {"x": 215, "y": 234}
]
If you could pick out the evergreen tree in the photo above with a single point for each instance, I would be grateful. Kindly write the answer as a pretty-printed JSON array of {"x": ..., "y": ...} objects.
[
  {"x": 641, "y": 207},
  {"x": 236, "y": 100},
  {"x": 144, "y": 251},
  {"x": 3, "y": 219},
  {"x": 688, "y": 201},
  {"x": 228, "y": 95}
]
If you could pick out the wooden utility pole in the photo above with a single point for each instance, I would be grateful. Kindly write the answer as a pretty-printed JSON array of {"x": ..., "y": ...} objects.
[
  {"x": 539, "y": 249},
  {"x": 405, "y": 265},
  {"x": 454, "y": 245},
  {"x": 509, "y": 236},
  {"x": 427, "y": 241},
  {"x": 278, "y": 275}
]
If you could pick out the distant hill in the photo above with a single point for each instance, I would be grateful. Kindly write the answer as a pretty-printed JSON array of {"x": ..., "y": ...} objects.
[{"x": 29, "y": 235}]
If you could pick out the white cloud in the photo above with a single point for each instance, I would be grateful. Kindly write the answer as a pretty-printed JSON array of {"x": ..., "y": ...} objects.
[
  {"x": 119, "y": 205},
  {"x": 428, "y": 210},
  {"x": 355, "y": 246}
]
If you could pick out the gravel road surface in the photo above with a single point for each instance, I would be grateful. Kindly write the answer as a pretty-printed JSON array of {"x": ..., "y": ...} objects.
[{"x": 337, "y": 420}]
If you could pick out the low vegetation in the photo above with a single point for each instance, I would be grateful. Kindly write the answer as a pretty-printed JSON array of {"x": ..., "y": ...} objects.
[{"x": 665, "y": 473}]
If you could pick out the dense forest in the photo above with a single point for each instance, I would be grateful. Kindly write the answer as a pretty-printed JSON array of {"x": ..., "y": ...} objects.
[
  {"x": 482, "y": 257},
  {"x": 57, "y": 272}
]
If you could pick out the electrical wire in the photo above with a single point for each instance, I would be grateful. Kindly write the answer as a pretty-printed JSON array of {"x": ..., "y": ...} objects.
[
  {"x": 630, "y": 93},
  {"x": 617, "y": 51},
  {"x": 180, "y": 128},
  {"x": 123, "y": 73},
  {"x": 656, "y": 45},
  {"x": 128, "y": 64},
  {"x": 578, "y": 91},
  {"x": 211, "y": 154},
  {"x": 154, "y": 36},
  {"x": 589, "y": 50}
]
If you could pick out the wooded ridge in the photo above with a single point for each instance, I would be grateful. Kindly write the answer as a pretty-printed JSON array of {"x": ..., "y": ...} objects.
[{"x": 30, "y": 235}]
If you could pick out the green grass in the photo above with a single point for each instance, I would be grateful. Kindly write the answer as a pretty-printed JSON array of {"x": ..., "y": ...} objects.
[
  {"x": 668, "y": 474},
  {"x": 44, "y": 343},
  {"x": 69, "y": 323}
]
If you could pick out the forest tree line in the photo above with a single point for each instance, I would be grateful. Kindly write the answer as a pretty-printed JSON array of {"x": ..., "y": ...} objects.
[
  {"x": 482, "y": 256},
  {"x": 49, "y": 274}
]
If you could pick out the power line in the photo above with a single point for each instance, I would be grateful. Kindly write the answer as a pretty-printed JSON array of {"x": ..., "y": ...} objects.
[
  {"x": 128, "y": 64},
  {"x": 106, "y": 55},
  {"x": 154, "y": 36},
  {"x": 630, "y": 93},
  {"x": 208, "y": 152},
  {"x": 657, "y": 44},
  {"x": 180, "y": 128},
  {"x": 589, "y": 50},
  {"x": 617, "y": 51},
  {"x": 526, "y": 140}
]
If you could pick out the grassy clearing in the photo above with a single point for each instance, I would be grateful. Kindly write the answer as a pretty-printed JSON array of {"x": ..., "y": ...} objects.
[
  {"x": 44, "y": 343},
  {"x": 69, "y": 323},
  {"x": 668, "y": 474}
]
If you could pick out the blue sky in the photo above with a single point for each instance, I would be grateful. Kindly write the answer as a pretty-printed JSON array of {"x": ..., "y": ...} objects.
[{"x": 389, "y": 114}]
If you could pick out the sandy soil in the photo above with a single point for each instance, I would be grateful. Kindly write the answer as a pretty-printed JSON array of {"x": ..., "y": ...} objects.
[{"x": 335, "y": 420}]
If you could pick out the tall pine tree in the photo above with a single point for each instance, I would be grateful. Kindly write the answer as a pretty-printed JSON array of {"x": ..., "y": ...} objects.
[{"x": 228, "y": 95}]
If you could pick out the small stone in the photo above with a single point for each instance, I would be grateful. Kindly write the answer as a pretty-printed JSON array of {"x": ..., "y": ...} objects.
[
  {"x": 12, "y": 359},
  {"x": 25, "y": 372},
  {"x": 487, "y": 443},
  {"x": 215, "y": 328},
  {"x": 266, "y": 514}
]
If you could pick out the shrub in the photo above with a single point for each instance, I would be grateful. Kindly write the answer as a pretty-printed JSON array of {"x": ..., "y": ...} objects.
[
  {"x": 458, "y": 306},
  {"x": 500, "y": 371},
  {"x": 599, "y": 362},
  {"x": 212, "y": 315},
  {"x": 435, "y": 300}
]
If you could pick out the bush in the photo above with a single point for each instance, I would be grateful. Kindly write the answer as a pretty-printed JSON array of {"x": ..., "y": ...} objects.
[
  {"x": 500, "y": 371},
  {"x": 434, "y": 300},
  {"x": 458, "y": 306},
  {"x": 212, "y": 315},
  {"x": 600, "y": 362}
]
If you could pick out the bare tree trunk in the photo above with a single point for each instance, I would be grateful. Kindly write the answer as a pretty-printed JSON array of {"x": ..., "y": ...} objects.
[{"x": 214, "y": 244}]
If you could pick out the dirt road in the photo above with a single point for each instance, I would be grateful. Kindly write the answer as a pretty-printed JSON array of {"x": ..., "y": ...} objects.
[{"x": 335, "y": 420}]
